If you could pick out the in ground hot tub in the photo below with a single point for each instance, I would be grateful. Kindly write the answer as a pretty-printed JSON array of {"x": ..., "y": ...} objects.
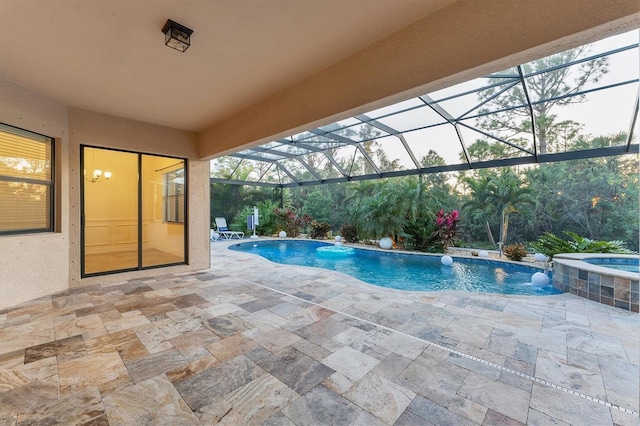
[{"x": 611, "y": 279}]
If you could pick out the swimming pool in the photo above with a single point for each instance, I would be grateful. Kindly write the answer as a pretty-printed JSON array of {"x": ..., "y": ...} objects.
[{"x": 405, "y": 271}]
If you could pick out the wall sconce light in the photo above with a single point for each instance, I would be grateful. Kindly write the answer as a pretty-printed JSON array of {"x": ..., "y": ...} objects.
[
  {"x": 176, "y": 36},
  {"x": 97, "y": 175}
]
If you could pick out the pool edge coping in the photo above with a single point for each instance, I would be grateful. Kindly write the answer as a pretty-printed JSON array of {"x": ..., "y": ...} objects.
[{"x": 576, "y": 260}]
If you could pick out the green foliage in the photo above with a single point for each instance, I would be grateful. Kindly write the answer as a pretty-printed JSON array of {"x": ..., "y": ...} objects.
[
  {"x": 289, "y": 221},
  {"x": 418, "y": 235},
  {"x": 267, "y": 226},
  {"x": 319, "y": 230},
  {"x": 239, "y": 222},
  {"x": 267, "y": 218},
  {"x": 381, "y": 208},
  {"x": 230, "y": 201},
  {"x": 446, "y": 229},
  {"x": 498, "y": 194},
  {"x": 324, "y": 203},
  {"x": 515, "y": 252},
  {"x": 596, "y": 197},
  {"x": 349, "y": 233},
  {"x": 429, "y": 235},
  {"x": 550, "y": 244}
]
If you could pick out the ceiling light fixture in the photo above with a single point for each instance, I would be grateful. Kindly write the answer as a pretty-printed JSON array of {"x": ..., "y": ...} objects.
[
  {"x": 176, "y": 36},
  {"x": 97, "y": 176}
]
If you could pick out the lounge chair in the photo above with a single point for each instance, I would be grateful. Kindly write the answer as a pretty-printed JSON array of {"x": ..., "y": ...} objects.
[{"x": 224, "y": 231}]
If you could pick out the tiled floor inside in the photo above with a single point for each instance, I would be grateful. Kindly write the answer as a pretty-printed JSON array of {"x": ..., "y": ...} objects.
[{"x": 252, "y": 342}]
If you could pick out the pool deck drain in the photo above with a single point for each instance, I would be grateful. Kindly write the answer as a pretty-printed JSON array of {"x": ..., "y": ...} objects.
[{"x": 460, "y": 354}]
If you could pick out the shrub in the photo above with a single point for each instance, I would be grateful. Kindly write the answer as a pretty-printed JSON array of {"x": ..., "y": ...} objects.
[
  {"x": 447, "y": 228},
  {"x": 239, "y": 221},
  {"x": 269, "y": 223},
  {"x": 289, "y": 221},
  {"x": 515, "y": 252},
  {"x": 349, "y": 233},
  {"x": 550, "y": 244},
  {"x": 319, "y": 230},
  {"x": 425, "y": 235},
  {"x": 418, "y": 235}
]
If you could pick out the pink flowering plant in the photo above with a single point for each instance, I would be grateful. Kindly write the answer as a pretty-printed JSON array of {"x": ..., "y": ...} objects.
[
  {"x": 288, "y": 220},
  {"x": 446, "y": 229}
]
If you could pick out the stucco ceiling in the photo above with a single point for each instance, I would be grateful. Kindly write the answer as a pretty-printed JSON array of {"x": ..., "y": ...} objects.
[{"x": 109, "y": 56}]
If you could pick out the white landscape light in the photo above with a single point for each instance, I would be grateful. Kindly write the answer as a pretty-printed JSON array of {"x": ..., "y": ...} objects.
[
  {"x": 539, "y": 279},
  {"x": 386, "y": 243},
  {"x": 539, "y": 257},
  {"x": 446, "y": 260}
]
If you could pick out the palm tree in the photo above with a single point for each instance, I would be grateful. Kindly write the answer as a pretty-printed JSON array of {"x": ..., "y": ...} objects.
[
  {"x": 509, "y": 195},
  {"x": 481, "y": 192},
  {"x": 382, "y": 208}
]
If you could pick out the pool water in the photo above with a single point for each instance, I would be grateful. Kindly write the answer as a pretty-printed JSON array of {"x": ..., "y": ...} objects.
[
  {"x": 621, "y": 264},
  {"x": 405, "y": 271}
]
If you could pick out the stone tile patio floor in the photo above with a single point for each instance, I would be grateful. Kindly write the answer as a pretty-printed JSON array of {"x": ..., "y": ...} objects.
[{"x": 252, "y": 342}]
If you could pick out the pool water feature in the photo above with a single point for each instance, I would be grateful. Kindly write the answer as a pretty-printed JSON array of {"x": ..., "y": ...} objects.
[
  {"x": 335, "y": 251},
  {"x": 405, "y": 271}
]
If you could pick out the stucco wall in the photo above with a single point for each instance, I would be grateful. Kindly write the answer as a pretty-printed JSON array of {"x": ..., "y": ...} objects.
[
  {"x": 101, "y": 130},
  {"x": 35, "y": 265}
]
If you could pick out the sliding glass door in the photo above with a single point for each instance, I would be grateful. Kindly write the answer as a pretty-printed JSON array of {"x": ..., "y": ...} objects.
[
  {"x": 163, "y": 211},
  {"x": 133, "y": 211}
]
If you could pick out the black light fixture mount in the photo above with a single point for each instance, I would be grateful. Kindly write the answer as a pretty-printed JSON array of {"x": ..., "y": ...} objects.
[{"x": 177, "y": 36}]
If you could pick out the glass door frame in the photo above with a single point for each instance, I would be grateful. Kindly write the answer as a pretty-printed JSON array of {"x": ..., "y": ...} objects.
[{"x": 139, "y": 155}]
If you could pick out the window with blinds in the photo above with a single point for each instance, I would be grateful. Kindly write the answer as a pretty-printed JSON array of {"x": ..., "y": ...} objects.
[
  {"x": 174, "y": 196},
  {"x": 26, "y": 181}
]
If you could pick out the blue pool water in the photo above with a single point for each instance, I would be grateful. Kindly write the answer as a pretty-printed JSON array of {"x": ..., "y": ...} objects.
[
  {"x": 404, "y": 271},
  {"x": 622, "y": 264}
]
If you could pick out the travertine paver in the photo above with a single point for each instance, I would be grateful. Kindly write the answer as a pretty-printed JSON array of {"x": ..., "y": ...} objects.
[
  {"x": 496, "y": 395},
  {"x": 382, "y": 398},
  {"x": 252, "y": 342},
  {"x": 350, "y": 362}
]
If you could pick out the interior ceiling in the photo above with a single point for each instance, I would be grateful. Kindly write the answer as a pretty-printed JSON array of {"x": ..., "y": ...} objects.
[{"x": 109, "y": 56}]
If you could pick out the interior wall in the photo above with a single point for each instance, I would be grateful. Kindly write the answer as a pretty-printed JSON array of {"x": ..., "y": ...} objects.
[
  {"x": 158, "y": 234},
  {"x": 106, "y": 131},
  {"x": 34, "y": 265},
  {"x": 111, "y": 207}
]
